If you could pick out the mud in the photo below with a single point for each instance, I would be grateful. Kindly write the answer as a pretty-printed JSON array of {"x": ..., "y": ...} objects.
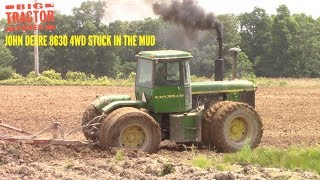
[{"x": 290, "y": 117}]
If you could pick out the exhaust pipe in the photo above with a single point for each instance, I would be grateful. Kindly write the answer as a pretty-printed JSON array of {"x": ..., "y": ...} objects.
[
  {"x": 235, "y": 52},
  {"x": 218, "y": 63}
]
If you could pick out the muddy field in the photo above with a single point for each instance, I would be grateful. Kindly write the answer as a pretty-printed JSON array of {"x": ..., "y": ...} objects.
[{"x": 291, "y": 117}]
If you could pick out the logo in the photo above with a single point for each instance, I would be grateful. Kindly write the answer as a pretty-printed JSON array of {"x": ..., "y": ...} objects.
[{"x": 29, "y": 17}]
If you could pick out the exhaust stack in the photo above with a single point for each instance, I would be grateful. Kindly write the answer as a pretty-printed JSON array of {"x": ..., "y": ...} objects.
[
  {"x": 218, "y": 63},
  {"x": 235, "y": 52}
]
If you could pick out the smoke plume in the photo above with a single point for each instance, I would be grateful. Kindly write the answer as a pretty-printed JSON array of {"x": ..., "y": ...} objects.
[
  {"x": 188, "y": 14},
  {"x": 128, "y": 10}
]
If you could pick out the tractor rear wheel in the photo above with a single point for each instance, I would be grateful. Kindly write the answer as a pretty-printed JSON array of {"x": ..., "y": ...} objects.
[
  {"x": 130, "y": 128},
  {"x": 206, "y": 121},
  {"x": 90, "y": 113},
  {"x": 235, "y": 125}
]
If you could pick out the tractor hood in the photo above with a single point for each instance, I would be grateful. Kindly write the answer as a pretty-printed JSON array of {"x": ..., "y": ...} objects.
[{"x": 210, "y": 87}]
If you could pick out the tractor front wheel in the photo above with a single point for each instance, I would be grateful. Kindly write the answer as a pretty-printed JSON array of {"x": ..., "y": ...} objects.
[
  {"x": 235, "y": 125},
  {"x": 130, "y": 128}
]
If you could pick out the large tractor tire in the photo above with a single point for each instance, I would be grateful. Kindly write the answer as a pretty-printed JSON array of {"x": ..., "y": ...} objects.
[
  {"x": 235, "y": 125},
  {"x": 130, "y": 128},
  {"x": 206, "y": 121},
  {"x": 90, "y": 113}
]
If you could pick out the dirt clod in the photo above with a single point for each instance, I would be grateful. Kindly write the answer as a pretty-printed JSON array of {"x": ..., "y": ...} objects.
[{"x": 225, "y": 176}]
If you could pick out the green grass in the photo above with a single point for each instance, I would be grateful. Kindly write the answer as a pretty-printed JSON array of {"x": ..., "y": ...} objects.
[
  {"x": 202, "y": 161},
  {"x": 292, "y": 158},
  {"x": 45, "y": 81},
  {"x": 120, "y": 155},
  {"x": 269, "y": 82},
  {"x": 206, "y": 162},
  {"x": 52, "y": 78},
  {"x": 292, "y": 82},
  {"x": 261, "y": 81}
]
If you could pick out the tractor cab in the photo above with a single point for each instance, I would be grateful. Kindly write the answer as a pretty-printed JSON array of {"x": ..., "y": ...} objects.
[{"x": 163, "y": 81}]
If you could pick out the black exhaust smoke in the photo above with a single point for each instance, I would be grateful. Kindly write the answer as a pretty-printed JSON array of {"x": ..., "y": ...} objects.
[{"x": 192, "y": 17}]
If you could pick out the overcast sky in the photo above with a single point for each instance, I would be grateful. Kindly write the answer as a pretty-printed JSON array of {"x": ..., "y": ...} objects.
[{"x": 138, "y": 9}]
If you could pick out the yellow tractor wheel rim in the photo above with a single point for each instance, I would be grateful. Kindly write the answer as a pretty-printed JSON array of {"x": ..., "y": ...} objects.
[
  {"x": 238, "y": 129},
  {"x": 132, "y": 137}
]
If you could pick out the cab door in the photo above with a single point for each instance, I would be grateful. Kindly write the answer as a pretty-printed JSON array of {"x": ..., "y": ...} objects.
[{"x": 169, "y": 87}]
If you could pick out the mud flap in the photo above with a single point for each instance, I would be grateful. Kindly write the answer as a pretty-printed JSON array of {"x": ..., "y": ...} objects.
[{"x": 186, "y": 127}]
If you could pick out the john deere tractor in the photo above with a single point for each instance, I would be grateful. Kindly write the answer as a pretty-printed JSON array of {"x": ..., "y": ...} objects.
[{"x": 167, "y": 106}]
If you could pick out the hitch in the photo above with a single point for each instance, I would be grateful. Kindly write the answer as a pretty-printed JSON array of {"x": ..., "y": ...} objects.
[{"x": 55, "y": 128}]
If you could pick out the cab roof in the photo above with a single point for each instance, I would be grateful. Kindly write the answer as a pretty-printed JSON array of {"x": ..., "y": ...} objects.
[{"x": 164, "y": 54}]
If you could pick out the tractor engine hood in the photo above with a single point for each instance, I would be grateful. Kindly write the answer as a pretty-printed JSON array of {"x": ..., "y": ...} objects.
[{"x": 210, "y": 87}]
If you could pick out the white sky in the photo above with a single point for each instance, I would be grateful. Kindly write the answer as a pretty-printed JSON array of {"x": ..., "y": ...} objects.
[
  {"x": 309, "y": 7},
  {"x": 137, "y": 9}
]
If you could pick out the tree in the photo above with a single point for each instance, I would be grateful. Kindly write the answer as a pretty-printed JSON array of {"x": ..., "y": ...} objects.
[
  {"x": 281, "y": 45},
  {"x": 284, "y": 28},
  {"x": 7, "y": 59},
  {"x": 255, "y": 32},
  {"x": 90, "y": 11},
  {"x": 305, "y": 46}
]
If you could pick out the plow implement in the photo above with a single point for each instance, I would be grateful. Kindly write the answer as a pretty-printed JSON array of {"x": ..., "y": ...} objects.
[{"x": 57, "y": 131}]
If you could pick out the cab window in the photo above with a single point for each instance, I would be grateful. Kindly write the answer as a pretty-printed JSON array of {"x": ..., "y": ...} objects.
[
  {"x": 186, "y": 72},
  {"x": 144, "y": 73},
  {"x": 168, "y": 73}
]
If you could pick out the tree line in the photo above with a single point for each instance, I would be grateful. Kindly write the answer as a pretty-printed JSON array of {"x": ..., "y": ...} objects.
[{"x": 278, "y": 45}]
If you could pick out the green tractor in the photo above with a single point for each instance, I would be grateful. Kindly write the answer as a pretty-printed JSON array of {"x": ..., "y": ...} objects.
[{"x": 167, "y": 106}]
